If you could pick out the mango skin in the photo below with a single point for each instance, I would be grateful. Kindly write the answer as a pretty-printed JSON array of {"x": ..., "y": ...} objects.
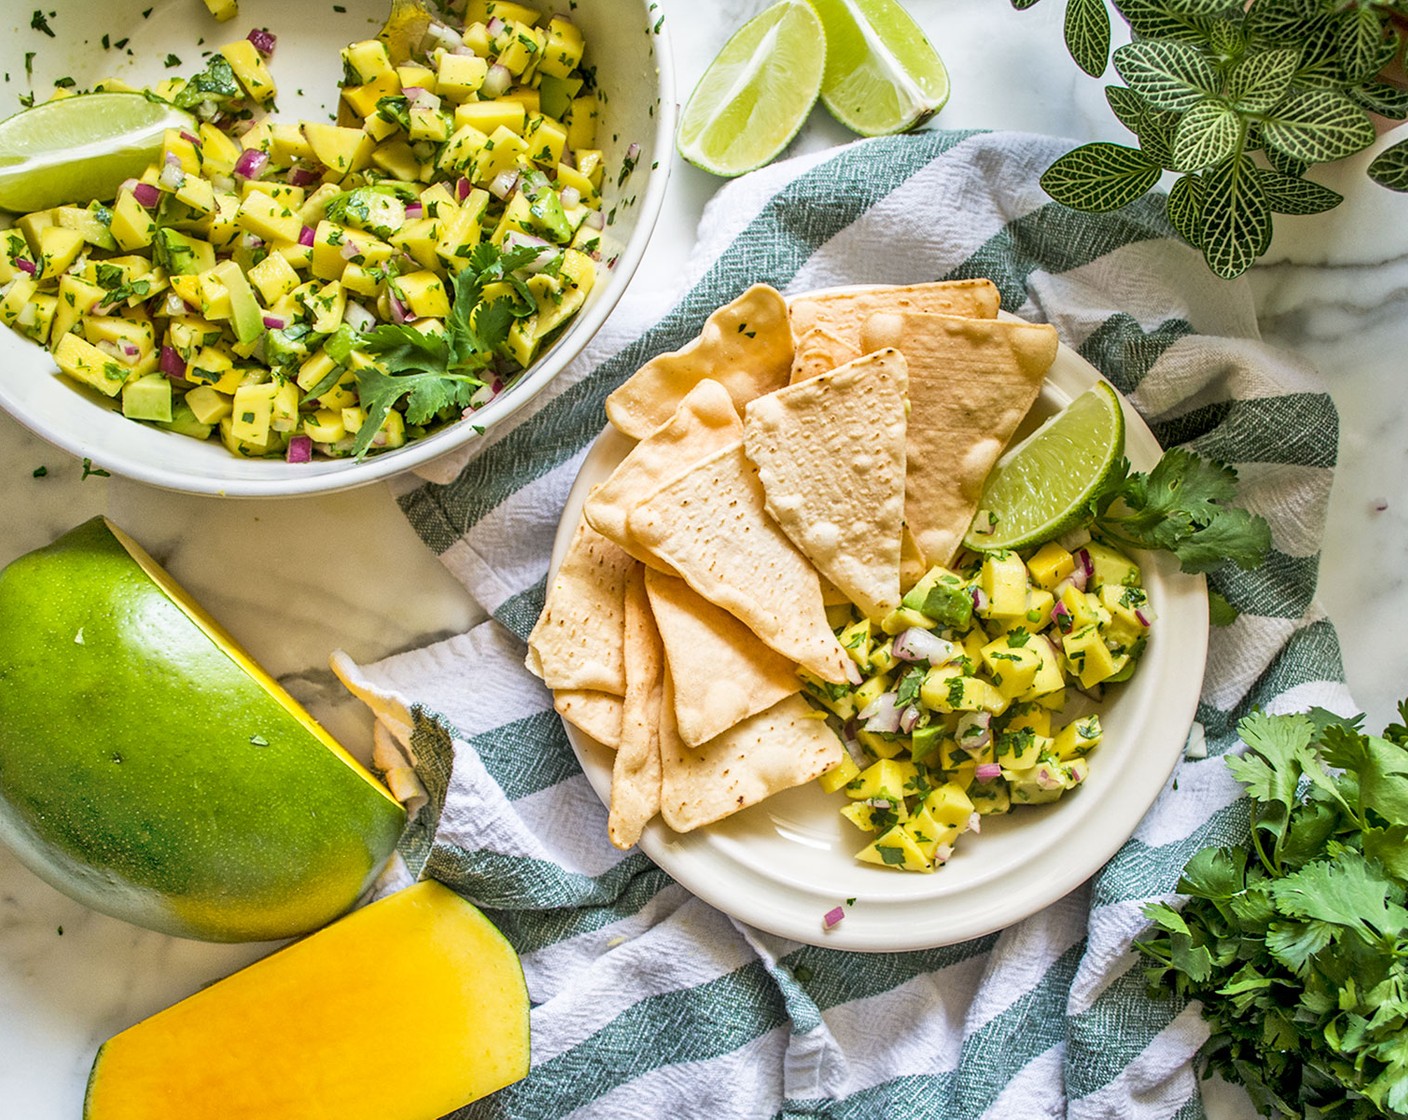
[{"x": 146, "y": 770}]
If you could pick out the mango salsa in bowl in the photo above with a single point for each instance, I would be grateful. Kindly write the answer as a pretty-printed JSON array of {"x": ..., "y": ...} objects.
[{"x": 286, "y": 300}]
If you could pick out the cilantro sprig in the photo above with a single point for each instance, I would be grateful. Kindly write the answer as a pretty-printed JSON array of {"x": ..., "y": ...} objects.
[
  {"x": 1181, "y": 506},
  {"x": 437, "y": 374},
  {"x": 1297, "y": 943}
]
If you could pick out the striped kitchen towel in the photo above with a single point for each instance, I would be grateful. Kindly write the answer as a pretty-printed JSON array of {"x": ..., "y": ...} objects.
[{"x": 649, "y": 1003}]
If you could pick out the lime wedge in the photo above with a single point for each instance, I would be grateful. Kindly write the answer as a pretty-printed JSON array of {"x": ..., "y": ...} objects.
[
  {"x": 81, "y": 148},
  {"x": 882, "y": 75},
  {"x": 755, "y": 95},
  {"x": 1039, "y": 488}
]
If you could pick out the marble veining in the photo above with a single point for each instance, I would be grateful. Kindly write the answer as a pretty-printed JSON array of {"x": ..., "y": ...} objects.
[{"x": 294, "y": 580}]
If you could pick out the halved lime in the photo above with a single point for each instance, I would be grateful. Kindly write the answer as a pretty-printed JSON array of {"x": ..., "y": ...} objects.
[
  {"x": 755, "y": 95},
  {"x": 882, "y": 75},
  {"x": 1039, "y": 488},
  {"x": 78, "y": 149}
]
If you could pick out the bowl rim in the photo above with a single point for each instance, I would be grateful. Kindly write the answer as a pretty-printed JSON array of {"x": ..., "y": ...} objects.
[{"x": 339, "y": 475}]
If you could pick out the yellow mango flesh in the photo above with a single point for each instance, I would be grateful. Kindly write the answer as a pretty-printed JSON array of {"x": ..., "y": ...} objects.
[{"x": 404, "y": 1010}]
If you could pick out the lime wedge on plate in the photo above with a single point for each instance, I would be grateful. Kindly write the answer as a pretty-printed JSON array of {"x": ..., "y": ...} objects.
[
  {"x": 80, "y": 148},
  {"x": 1039, "y": 488},
  {"x": 882, "y": 75},
  {"x": 755, "y": 95}
]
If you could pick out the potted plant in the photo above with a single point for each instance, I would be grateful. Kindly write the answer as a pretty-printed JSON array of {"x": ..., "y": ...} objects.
[{"x": 1239, "y": 100}]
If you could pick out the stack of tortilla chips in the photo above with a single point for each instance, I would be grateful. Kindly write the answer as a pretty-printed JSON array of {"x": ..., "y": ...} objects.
[{"x": 787, "y": 459}]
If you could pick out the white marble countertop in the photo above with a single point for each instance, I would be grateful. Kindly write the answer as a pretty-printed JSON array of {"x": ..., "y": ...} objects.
[{"x": 1334, "y": 289}]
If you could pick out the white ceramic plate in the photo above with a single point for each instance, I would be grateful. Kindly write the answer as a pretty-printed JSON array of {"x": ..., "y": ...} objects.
[
  {"x": 781, "y": 865},
  {"x": 632, "y": 61}
]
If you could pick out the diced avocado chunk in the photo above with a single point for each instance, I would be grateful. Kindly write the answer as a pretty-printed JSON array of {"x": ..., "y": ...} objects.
[
  {"x": 943, "y": 597},
  {"x": 245, "y": 312},
  {"x": 147, "y": 398},
  {"x": 545, "y": 208},
  {"x": 183, "y": 422}
]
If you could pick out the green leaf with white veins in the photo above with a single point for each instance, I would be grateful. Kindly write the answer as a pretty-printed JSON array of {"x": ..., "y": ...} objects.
[
  {"x": 1100, "y": 176},
  {"x": 1288, "y": 194},
  {"x": 1259, "y": 82},
  {"x": 1151, "y": 19},
  {"x": 1168, "y": 75},
  {"x": 1208, "y": 133},
  {"x": 1088, "y": 34},
  {"x": 1317, "y": 126},
  {"x": 1361, "y": 40},
  {"x": 1390, "y": 167},
  {"x": 1236, "y": 217},
  {"x": 1185, "y": 209},
  {"x": 1127, "y": 106}
]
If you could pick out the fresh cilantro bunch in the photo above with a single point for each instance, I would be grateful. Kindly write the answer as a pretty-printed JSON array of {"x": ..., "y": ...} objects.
[
  {"x": 1181, "y": 506},
  {"x": 1297, "y": 944},
  {"x": 437, "y": 374},
  {"x": 1239, "y": 99}
]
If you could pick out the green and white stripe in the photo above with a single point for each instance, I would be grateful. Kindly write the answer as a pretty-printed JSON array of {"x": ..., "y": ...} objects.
[{"x": 648, "y": 1002}]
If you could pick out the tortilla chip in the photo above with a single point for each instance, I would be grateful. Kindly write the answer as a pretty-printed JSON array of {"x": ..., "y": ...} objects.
[
  {"x": 826, "y": 327},
  {"x": 596, "y": 713},
  {"x": 745, "y": 345},
  {"x": 831, "y": 457},
  {"x": 912, "y": 562},
  {"x": 635, "y": 775},
  {"x": 970, "y": 383},
  {"x": 577, "y": 640},
  {"x": 709, "y": 524},
  {"x": 774, "y": 750},
  {"x": 704, "y": 422},
  {"x": 722, "y": 672}
]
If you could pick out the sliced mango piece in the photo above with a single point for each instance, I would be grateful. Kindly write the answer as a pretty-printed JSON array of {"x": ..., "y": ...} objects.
[{"x": 291, "y": 1036}]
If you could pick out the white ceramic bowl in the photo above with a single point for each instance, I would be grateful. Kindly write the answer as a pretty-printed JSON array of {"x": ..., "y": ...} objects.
[{"x": 626, "y": 46}]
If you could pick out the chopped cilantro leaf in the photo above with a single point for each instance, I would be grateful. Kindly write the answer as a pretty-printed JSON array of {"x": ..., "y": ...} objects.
[{"x": 39, "y": 23}]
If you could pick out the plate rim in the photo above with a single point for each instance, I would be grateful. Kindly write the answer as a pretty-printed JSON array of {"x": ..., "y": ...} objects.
[{"x": 764, "y": 903}]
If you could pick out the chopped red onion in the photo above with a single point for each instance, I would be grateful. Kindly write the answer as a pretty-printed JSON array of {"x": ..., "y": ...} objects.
[
  {"x": 462, "y": 189},
  {"x": 974, "y": 730},
  {"x": 987, "y": 771},
  {"x": 398, "y": 310},
  {"x": 414, "y": 210},
  {"x": 447, "y": 37},
  {"x": 275, "y": 322},
  {"x": 918, "y": 644},
  {"x": 482, "y": 396},
  {"x": 943, "y": 853},
  {"x": 879, "y": 803},
  {"x": 980, "y": 599},
  {"x": 909, "y": 718},
  {"x": 188, "y": 138},
  {"x": 855, "y": 750},
  {"x": 173, "y": 175},
  {"x": 1379, "y": 505},
  {"x": 569, "y": 196},
  {"x": 263, "y": 39},
  {"x": 502, "y": 184},
  {"x": 302, "y": 177},
  {"x": 307, "y": 235},
  {"x": 595, "y": 219},
  {"x": 24, "y": 264},
  {"x": 1047, "y": 777},
  {"x": 350, "y": 249},
  {"x": 496, "y": 82},
  {"x": 1142, "y": 617},
  {"x": 495, "y": 26},
  {"x": 173, "y": 306},
  {"x": 146, "y": 195},
  {"x": 975, "y": 821},
  {"x": 251, "y": 241},
  {"x": 358, "y": 317},
  {"x": 171, "y": 363},
  {"x": 1061, "y": 616},
  {"x": 300, "y": 450},
  {"x": 882, "y": 714},
  {"x": 853, "y": 676},
  {"x": 124, "y": 354},
  {"x": 833, "y": 916},
  {"x": 1087, "y": 565},
  {"x": 251, "y": 163}
]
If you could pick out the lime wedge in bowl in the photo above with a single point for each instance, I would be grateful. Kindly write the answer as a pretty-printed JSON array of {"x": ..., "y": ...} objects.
[
  {"x": 882, "y": 74},
  {"x": 80, "y": 148},
  {"x": 756, "y": 94},
  {"x": 1039, "y": 488}
]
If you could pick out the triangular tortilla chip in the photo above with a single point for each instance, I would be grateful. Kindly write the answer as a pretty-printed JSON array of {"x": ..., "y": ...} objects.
[
  {"x": 709, "y": 524},
  {"x": 577, "y": 640},
  {"x": 596, "y": 713},
  {"x": 745, "y": 345},
  {"x": 782, "y": 747},
  {"x": 635, "y": 774},
  {"x": 831, "y": 457},
  {"x": 970, "y": 383},
  {"x": 722, "y": 672},
  {"x": 826, "y": 327},
  {"x": 704, "y": 422}
]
